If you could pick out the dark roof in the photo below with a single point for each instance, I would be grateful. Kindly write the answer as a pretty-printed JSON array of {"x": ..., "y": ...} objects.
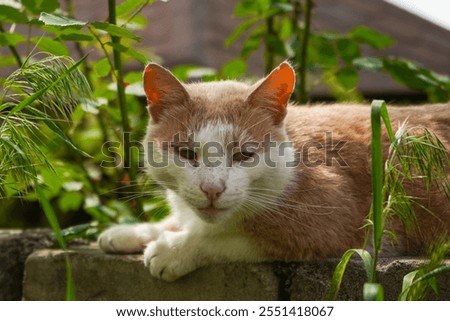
[{"x": 194, "y": 32}]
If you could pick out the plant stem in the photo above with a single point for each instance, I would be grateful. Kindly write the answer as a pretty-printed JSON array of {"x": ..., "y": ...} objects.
[
  {"x": 13, "y": 50},
  {"x": 130, "y": 164},
  {"x": 136, "y": 12},
  {"x": 301, "y": 93},
  {"x": 377, "y": 182},
  {"x": 268, "y": 54},
  {"x": 87, "y": 69}
]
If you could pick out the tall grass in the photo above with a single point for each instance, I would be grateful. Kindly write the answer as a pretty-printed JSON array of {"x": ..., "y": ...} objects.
[
  {"x": 414, "y": 153},
  {"x": 40, "y": 93}
]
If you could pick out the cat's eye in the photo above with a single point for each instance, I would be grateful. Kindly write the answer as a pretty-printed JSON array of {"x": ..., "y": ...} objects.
[
  {"x": 243, "y": 156},
  {"x": 187, "y": 153}
]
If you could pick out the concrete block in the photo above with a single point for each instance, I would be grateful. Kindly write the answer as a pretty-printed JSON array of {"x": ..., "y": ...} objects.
[
  {"x": 100, "y": 276},
  {"x": 311, "y": 281}
]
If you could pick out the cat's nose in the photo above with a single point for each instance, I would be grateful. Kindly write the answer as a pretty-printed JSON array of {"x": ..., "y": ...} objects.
[{"x": 212, "y": 190}]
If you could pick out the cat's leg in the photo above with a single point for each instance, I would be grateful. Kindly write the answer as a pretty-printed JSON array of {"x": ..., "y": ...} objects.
[
  {"x": 175, "y": 254},
  {"x": 133, "y": 238}
]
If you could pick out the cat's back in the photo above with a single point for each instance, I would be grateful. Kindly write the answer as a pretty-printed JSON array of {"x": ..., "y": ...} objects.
[
  {"x": 351, "y": 122},
  {"x": 334, "y": 173}
]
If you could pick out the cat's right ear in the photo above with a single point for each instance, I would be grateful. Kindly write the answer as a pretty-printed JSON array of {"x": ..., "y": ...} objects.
[{"x": 162, "y": 90}]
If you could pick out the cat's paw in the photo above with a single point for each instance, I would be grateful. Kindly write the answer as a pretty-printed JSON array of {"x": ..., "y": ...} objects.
[
  {"x": 169, "y": 258},
  {"x": 127, "y": 239}
]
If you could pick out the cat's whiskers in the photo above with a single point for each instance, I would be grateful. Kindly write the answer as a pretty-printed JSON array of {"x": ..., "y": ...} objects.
[
  {"x": 273, "y": 215},
  {"x": 279, "y": 204}
]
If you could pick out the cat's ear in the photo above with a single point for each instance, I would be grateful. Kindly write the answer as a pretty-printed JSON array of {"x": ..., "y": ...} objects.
[
  {"x": 162, "y": 90},
  {"x": 274, "y": 91}
]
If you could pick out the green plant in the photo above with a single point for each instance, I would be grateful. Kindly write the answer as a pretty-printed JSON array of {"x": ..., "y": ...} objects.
[
  {"x": 77, "y": 181},
  {"x": 330, "y": 58},
  {"x": 28, "y": 103},
  {"x": 411, "y": 155}
]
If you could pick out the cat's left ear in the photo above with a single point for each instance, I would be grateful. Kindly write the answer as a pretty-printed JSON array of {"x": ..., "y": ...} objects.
[{"x": 274, "y": 91}]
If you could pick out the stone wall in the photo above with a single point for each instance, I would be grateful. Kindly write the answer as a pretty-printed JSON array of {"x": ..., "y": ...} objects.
[{"x": 26, "y": 260}]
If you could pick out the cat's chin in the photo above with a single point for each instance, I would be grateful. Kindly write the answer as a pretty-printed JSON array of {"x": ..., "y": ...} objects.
[{"x": 212, "y": 214}]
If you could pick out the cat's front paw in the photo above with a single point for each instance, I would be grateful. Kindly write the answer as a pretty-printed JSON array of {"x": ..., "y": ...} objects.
[
  {"x": 169, "y": 258},
  {"x": 127, "y": 239}
]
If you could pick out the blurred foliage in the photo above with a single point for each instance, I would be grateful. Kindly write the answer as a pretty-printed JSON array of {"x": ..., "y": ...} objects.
[
  {"x": 329, "y": 58},
  {"x": 74, "y": 181}
]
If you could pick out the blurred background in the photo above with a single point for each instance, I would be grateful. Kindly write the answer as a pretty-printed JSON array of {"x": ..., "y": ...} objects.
[{"x": 195, "y": 31}]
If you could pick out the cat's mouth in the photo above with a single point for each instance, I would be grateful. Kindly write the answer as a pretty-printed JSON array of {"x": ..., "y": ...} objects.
[{"x": 211, "y": 212}]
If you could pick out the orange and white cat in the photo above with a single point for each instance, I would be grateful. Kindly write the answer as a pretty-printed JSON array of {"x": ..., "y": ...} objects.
[{"x": 279, "y": 182}]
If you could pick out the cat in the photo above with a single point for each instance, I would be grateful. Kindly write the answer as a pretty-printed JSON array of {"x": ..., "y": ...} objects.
[{"x": 304, "y": 198}]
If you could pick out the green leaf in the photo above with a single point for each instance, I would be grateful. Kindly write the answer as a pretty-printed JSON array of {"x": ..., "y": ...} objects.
[
  {"x": 282, "y": 7},
  {"x": 74, "y": 35},
  {"x": 415, "y": 77},
  {"x": 348, "y": 50},
  {"x": 102, "y": 67},
  {"x": 129, "y": 6},
  {"x": 251, "y": 7},
  {"x": 11, "y": 39},
  {"x": 378, "y": 113},
  {"x": 52, "y": 182},
  {"x": 373, "y": 292},
  {"x": 368, "y": 63},
  {"x": 322, "y": 51},
  {"x": 185, "y": 72},
  {"x": 233, "y": 69},
  {"x": 58, "y": 131},
  {"x": 52, "y": 19},
  {"x": 50, "y": 45},
  {"x": 114, "y": 30},
  {"x": 285, "y": 29},
  {"x": 129, "y": 51},
  {"x": 275, "y": 45},
  {"x": 11, "y": 14},
  {"x": 38, "y": 6},
  {"x": 339, "y": 271},
  {"x": 371, "y": 37},
  {"x": 76, "y": 231},
  {"x": 7, "y": 61},
  {"x": 410, "y": 280},
  {"x": 253, "y": 42},
  {"x": 70, "y": 201},
  {"x": 239, "y": 30},
  {"x": 347, "y": 77},
  {"x": 137, "y": 22}
]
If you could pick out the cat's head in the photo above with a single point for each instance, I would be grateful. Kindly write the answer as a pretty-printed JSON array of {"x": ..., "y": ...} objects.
[{"x": 220, "y": 146}]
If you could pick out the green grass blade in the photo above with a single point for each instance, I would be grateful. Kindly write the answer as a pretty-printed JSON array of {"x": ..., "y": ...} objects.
[
  {"x": 339, "y": 271},
  {"x": 377, "y": 174},
  {"x": 409, "y": 280},
  {"x": 373, "y": 292},
  {"x": 58, "y": 131},
  {"x": 53, "y": 221}
]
